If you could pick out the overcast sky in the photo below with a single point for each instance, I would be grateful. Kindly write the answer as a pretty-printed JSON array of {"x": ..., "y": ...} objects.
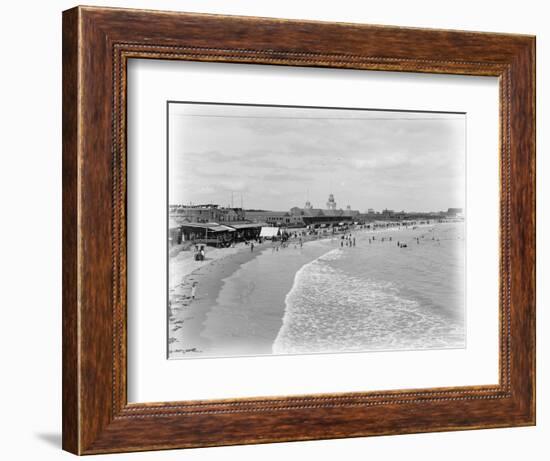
[{"x": 276, "y": 157}]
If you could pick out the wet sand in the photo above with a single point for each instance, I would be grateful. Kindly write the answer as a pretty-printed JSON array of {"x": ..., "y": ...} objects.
[
  {"x": 188, "y": 316},
  {"x": 218, "y": 321},
  {"x": 240, "y": 298},
  {"x": 249, "y": 309}
]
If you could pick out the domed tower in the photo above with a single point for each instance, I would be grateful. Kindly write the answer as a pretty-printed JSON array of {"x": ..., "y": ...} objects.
[{"x": 331, "y": 204}]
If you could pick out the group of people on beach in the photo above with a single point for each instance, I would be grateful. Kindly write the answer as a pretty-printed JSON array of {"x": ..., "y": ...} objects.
[
  {"x": 401, "y": 244},
  {"x": 200, "y": 253},
  {"x": 280, "y": 245},
  {"x": 347, "y": 240},
  {"x": 383, "y": 239}
]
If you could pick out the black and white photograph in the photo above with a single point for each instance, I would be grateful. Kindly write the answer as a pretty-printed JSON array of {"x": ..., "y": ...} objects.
[
  {"x": 275, "y": 230},
  {"x": 306, "y": 230}
]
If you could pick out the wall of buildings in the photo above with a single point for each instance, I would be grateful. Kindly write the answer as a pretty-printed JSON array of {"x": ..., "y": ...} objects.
[{"x": 206, "y": 213}]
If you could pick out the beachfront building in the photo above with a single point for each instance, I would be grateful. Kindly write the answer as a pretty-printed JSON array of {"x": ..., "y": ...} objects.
[
  {"x": 211, "y": 233},
  {"x": 327, "y": 218},
  {"x": 303, "y": 216},
  {"x": 246, "y": 230},
  {"x": 324, "y": 217},
  {"x": 218, "y": 234},
  {"x": 306, "y": 211},
  {"x": 331, "y": 203},
  {"x": 349, "y": 212},
  {"x": 274, "y": 218},
  {"x": 205, "y": 213},
  {"x": 231, "y": 214}
]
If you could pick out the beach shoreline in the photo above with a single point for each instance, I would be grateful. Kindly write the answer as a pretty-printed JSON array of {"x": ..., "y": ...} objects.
[
  {"x": 231, "y": 283},
  {"x": 250, "y": 307},
  {"x": 189, "y": 315},
  {"x": 187, "y": 324}
]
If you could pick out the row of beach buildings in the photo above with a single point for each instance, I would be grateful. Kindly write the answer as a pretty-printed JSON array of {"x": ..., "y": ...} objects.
[{"x": 220, "y": 226}]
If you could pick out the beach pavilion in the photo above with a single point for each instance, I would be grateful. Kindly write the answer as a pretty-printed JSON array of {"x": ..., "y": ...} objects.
[
  {"x": 209, "y": 233},
  {"x": 245, "y": 230}
]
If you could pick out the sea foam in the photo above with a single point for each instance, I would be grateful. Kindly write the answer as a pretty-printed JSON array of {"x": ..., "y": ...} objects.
[{"x": 329, "y": 310}]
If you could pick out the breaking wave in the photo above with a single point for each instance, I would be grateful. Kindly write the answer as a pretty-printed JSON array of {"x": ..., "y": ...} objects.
[{"x": 328, "y": 310}]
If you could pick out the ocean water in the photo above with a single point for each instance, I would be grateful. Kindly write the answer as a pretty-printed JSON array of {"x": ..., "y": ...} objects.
[{"x": 377, "y": 296}]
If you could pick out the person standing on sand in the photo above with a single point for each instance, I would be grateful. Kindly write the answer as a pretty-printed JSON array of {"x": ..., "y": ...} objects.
[
  {"x": 193, "y": 290},
  {"x": 251, "y": 247}
]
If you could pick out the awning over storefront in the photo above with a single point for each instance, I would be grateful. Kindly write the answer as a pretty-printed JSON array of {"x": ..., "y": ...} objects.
[
  {"x": 242, "y": 226},
  {"x": 227, "y": 228},
  {"x": 211, "y": 227},
  {"x": 217, "y": 228}
]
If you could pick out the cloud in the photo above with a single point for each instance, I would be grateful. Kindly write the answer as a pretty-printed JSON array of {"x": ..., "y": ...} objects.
[
  {"x": 286, "y": 177},
  {"x": 278, "y": 159},
  {"x": 234, "y": 185}
]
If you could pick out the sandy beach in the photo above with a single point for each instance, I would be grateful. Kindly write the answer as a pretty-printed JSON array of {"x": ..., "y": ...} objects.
[
  {"x": 231, "y": 283},
  {"x": 240, "y": 296},
  {"x": 187, "y": 315}
]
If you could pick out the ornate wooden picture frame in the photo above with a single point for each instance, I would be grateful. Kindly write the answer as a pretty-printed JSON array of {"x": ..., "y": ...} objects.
[{"x": 97, "y": 44}]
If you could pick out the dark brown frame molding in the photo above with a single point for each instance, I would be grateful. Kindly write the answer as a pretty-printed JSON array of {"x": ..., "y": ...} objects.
[{"x": 97, "y": 43}]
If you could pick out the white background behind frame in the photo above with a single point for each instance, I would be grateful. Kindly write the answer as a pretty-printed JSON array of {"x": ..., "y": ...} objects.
[
  {"x": 31, "y": 172},
  {"x": 153, "y": 378}
]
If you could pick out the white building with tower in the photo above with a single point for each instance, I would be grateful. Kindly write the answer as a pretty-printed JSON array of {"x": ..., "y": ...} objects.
[{"x": 331, "y": 204}]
